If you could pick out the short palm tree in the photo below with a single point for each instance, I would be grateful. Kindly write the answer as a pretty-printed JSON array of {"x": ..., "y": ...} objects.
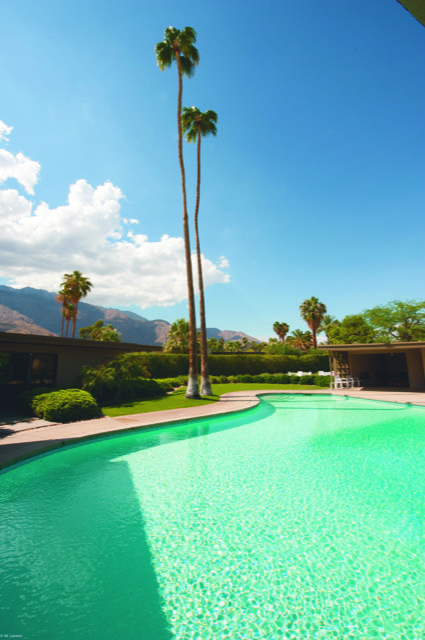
[
  {"x": 178, "y": 337},
  {"x": 300, "y": 339},
  {"x": 281, "y": 328},
  {"x": 75, "y": 286},
  {"x": 327, "y": 322},
  {"x": 179, "y": 46},
  {"x": 197, "y": 125},
  {"x": 312, "y": 311}
]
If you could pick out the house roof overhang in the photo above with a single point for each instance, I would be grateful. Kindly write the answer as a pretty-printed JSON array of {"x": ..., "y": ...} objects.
[{"x": 31, "y": 340}]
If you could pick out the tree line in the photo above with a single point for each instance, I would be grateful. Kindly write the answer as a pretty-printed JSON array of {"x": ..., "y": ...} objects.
[{"x": 396, "y": 321}]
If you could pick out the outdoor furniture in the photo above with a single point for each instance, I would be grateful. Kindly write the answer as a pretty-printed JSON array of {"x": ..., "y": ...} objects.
[
  {"x": 339, "y": 383},
  {"x": 349, "y": 382}
]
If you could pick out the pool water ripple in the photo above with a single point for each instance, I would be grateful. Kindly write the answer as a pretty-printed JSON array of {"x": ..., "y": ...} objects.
[{"x": 302, "y": 518}]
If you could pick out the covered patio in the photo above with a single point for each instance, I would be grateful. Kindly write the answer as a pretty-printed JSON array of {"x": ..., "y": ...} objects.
[{"x": 397, "y": 365}]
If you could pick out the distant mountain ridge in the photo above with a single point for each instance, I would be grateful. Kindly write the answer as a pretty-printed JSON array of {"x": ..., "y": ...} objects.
[{"x": 35, "y": 311}]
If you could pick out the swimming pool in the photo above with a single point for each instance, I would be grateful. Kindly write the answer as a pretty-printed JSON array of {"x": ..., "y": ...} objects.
[{"x": 300, "y": 518}]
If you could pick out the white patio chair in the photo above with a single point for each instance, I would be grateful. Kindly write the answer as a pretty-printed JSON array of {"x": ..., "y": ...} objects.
[
  {"x": 350, "y": 382},
  {"x": 339, "y": 383}
]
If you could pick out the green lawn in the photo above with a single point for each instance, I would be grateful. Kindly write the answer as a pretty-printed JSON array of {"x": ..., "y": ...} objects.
[{"x": 177, "y": 400}]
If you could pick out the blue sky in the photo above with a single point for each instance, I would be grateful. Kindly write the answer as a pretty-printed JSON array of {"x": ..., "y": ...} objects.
[{"x": 314, "y": 184}]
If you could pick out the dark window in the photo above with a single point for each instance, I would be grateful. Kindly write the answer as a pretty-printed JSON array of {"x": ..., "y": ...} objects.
[
  {"x": 20, "y": 372},
  {"x": 43, "y": 370}
]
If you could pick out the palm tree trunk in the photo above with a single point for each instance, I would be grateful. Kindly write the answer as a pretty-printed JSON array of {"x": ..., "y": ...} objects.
[
  {"x": 206, "y": 389},
  {"x": 192, "y": 390},
  {"x": 313, "y": 331},
  {"x": 62, "y": 325},
  {"x": 74, "y": 318}
]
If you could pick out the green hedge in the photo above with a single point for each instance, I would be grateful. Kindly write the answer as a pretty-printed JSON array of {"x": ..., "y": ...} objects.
[
  {"x": 263, "y": 378},
  {"x": 169, "y": 365},
  {"x": 68, "y": 405}
]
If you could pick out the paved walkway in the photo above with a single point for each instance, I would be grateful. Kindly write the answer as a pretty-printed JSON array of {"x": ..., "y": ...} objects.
[{"x": 31, "y": 437}]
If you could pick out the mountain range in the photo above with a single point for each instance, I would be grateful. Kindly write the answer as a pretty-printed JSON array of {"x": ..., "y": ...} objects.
[{"x": 35, "y": 311}]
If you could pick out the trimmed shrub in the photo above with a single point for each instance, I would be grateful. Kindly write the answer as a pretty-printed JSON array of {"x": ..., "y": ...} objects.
[
  {"x": 68, "y": 405},
  {"x": 245, "y": 378},
  {"x": 322, "y": 381},
  {"x": 165, "y": 384},
  {"x": 26, "y": 399},
  {"x": 295, "y": 379},
  {"x": 138, "y": 388},
  {"x": 281, "y": 378},
  {"x": 307, "y": 379}
]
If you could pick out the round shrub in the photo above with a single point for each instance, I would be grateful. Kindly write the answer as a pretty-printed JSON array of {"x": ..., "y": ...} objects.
[
  {"x": 245, "y": 378},
  {"x": 68, "y": 405},
  {"x": 281, "y": 378},
  {"x": 26, "y": 399},
  {"x": 166, "y": 384},
  {"x": 322, "y": 381},
  {"x": 136, "y": 388},
  {"x": 267, "y": 378},
  {"x": 295, "y": 379},
  {"x": 307, "y": 379}
]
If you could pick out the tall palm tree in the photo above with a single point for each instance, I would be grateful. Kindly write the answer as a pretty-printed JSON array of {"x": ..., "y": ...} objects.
[
  {"x": 312, "y": 311},
  {"x": 197, "y": 125},
  {"x": 68, "y": 313},
  {"x": 64, "y": 300},
  {"x": 179, "y": 46},
  {"x": 281, "y": 328},
  {"x": 75, "y": 286}
]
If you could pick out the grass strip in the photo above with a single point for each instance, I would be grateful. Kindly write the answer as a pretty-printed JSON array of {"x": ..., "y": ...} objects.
[{"x": 176, "y": 400}]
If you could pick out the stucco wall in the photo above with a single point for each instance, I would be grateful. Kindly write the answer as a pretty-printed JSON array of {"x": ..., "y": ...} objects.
[{"x": 415, "y": 367}]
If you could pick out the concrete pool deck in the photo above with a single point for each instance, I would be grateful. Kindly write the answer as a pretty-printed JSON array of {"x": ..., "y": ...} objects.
[{"x": 32, "y": 437}]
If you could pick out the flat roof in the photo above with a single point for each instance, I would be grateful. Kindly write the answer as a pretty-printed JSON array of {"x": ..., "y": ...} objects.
[
  {"x": 30, "y": 339},
  {"x": 373, "y": 346}
]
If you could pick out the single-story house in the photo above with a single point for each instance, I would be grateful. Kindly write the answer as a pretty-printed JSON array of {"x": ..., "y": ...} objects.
[
  {"x": 28, "y": 361},
  {"x": 396, "y": 364}
]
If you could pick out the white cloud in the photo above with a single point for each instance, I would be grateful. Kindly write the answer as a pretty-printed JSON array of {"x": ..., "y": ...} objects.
[
  {"x": 224, "y": 263},
  {"x": 4, "y": 131},
  {"x": 24, "y": 170},
  {"x": 13, "y": 205},
  {"x": 37, "y": 248}
]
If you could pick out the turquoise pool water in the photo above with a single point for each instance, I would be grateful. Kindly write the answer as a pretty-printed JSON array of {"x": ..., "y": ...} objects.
[{"x": 302, "y": 518}]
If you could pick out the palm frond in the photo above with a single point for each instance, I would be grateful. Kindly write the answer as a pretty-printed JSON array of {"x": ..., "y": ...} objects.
[
  {"x": 190, "y": 116},
  {"x": 187, "y": 66},
  {"x": 164, "y": 55}
]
